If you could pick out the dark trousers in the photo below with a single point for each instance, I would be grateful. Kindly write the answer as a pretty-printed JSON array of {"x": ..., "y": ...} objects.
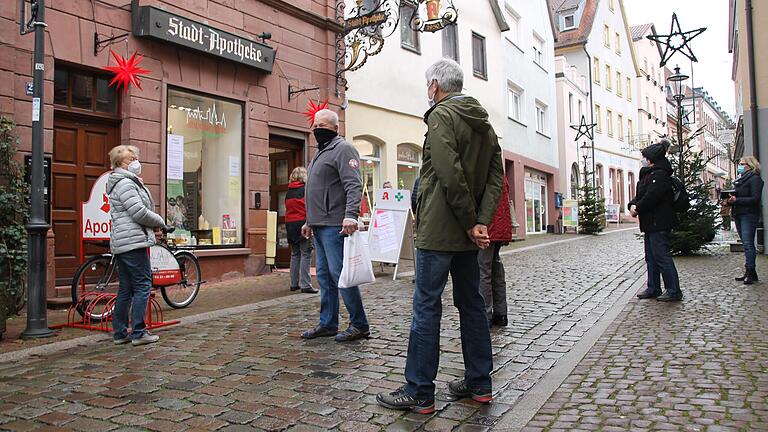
[
  {"x": 658, "y": 259},
  {"x": 432, "y": 270},
  {"x": 493, "y": 285},
  {"x": 746, "y": 226},
  {"x": 135, "y": 274}
]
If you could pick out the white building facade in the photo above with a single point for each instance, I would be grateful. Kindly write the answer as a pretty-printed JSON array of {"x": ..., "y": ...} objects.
[
  {"x": 594, "y": 36},
  {"x": 530, "y": 128},
  {"x": 572, "y": 103},
  {"x": 651, "y": 85},
  {"x": 387, "y": 97}
]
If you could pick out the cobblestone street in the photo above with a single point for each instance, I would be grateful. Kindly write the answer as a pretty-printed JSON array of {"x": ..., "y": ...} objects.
[
  {"x": 698, "y": 365},
  {"x": 251, "y": 371}
]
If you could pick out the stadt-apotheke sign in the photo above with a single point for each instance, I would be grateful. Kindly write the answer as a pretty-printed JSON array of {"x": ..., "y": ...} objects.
[{"x": 158, "y": 24}]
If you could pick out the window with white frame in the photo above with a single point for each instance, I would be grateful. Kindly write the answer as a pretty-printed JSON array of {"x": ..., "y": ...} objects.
[
  {"x": 596, "y": 70},
  {"x": 570, "y": 108},
  {"x": 479, "y": 62},
  {"x": 607, "y": 35},
  {"x": 599, "y": 118},
  {"x": 629, "y": 88},
  {"x": 609, "y": 121},
  {"x": 409, "y": 38},
  {"x": 515, "y": 99},
  {"x": 618, "y": 44},
  {"x": 581, "y": 111},
  {"x": 611, "y": 5},
  {"x": 608, "y": 78},
  {"x": 569, "y": 22},
  {"x": 619, "y": 87},
  {"x": 538, "y": 50},
  {"x": 541, "y": 118},
  {"x": 451, "y": 42},
  {"x": 621, "y": 127},
  {"x": 513, "y": 19}
]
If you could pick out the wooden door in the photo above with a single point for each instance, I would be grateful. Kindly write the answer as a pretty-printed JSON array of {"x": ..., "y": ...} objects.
[
  {"x": 281, "y": 164},
  {"x": 79, "y": 157}
]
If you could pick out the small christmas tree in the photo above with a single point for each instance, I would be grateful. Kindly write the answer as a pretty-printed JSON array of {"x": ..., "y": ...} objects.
[
  {"x": 591, "y": 209},
  {"x": 698, "y": 225}
]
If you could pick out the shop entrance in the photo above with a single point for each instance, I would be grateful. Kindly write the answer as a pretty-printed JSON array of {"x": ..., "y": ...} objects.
[
  {"x": 80, "y": 150},
  {"x": 285, "y": 154}
]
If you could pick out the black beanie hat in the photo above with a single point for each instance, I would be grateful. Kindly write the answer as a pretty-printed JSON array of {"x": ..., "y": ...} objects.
[{"x": 654, "y": 152}]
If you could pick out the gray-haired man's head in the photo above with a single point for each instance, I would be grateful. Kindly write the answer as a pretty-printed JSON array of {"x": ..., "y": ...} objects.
[{"x": 444, "y": 76}]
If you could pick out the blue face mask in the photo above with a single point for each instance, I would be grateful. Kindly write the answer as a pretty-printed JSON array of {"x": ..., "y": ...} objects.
[
  {"x": 741, "y": 169},
  {"x": 644, "y": 163}
]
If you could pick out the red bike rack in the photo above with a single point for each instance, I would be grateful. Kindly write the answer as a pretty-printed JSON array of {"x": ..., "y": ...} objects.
[{"x": 92, "y": 302}]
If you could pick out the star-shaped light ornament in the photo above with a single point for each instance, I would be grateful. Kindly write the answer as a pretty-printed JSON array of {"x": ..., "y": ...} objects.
[
  {"x": 584, "y": 129},
  {"x": 676, "y": 41},
  {"x": 313, "y": 108},
  {"x": 127, "y": 71}
]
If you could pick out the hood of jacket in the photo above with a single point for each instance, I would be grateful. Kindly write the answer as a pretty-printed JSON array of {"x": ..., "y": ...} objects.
[
  {"x": 467, "y": 108},
  {"x": 660, "y": 165},
  {"x": 116, "y": 175}
]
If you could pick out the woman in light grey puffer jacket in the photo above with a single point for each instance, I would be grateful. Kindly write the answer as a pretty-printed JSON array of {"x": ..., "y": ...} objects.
[{"x": 133, "y": 226}]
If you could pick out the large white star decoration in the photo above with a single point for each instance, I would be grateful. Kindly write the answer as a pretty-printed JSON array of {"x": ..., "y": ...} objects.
[
  {"x": 584, "y": 129},
  {"x": 676, "y": 41}
]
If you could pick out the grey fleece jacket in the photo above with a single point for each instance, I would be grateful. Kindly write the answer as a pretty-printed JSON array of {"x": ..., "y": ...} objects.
[
  {"x": 334, "y": 185},
  {"x": 131, "y": 207}
]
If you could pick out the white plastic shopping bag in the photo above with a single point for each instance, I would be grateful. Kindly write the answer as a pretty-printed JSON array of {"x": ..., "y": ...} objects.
[{"x": 356, "y": 268}]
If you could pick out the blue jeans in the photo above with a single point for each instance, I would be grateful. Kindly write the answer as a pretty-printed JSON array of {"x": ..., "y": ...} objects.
[
  {"x": 329, "y": 246},
  {"x": 746, "y": 226},
  {"x": 658, "y": 259},
  {"x": 432, "y": 270},
  {"x": 135, "y": 274}
]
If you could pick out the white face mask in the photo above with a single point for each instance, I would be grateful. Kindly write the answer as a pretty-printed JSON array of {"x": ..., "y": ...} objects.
[
  {"x": 134, "y": 167},
  {"x": 644, "y": 163},
  {"x": 431, "y": 99}
]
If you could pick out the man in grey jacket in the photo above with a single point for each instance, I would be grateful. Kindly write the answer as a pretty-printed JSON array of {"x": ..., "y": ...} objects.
[{"x": 333, "y": 193}]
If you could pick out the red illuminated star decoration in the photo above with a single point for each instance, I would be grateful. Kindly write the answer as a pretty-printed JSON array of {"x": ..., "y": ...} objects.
[
  {"x": 127, "y": 71},
  {"x": 313, "y": 108}
]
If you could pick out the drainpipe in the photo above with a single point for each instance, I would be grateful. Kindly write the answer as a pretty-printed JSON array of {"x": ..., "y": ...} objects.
[
  {"x": 752, "y": 81},
  {"x": 591, "y": 112}
]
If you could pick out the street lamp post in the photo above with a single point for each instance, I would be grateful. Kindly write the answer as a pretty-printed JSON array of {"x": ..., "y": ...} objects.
[
  {"x": 677, "y": 79},
  {"x": 37, "y": 227}
]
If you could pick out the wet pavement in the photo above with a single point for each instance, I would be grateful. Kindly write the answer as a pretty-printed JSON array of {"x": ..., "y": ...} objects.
[
  {"x": 698, "y": 365},
  {"x": 251, "y": 371}
]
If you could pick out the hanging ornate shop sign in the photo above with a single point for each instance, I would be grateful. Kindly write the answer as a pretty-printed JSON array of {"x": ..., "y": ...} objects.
[
  {"x": 366, "y": 25},
  {"x": 439, "y": 15}
]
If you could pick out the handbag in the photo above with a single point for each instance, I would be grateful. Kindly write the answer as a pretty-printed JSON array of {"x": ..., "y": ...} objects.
[{"x": 356, "y": 266}]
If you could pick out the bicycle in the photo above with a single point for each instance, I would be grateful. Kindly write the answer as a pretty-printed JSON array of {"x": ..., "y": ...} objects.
[{"x": 175, "y": 271}]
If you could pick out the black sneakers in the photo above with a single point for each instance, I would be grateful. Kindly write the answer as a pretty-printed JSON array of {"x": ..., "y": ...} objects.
[
  {"x": 400, "y": 400},
  {"x": 666, "y": 297},
  {"x": 317, "y": 332},
  {"x": 648, "y": 294},
  {"x": 461, "y": 389},
  {"x": 352, "y": 333}
]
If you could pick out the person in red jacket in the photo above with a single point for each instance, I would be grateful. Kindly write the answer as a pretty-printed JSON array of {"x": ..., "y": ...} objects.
[
  {"x": 493, "y": 286},
  {"x": 295, "y": 218}
]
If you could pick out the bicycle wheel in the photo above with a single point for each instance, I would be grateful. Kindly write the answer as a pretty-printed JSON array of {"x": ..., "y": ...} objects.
[
  {"x": 182, "y": 294},
  {"x": 98, "y": 275}
]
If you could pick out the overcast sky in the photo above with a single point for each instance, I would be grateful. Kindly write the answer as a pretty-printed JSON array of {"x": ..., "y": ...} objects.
[{"x": 713, "y": 71}]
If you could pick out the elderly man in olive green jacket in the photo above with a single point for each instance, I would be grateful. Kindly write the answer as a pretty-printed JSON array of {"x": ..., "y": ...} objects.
[{"x": 459, "y": 190}]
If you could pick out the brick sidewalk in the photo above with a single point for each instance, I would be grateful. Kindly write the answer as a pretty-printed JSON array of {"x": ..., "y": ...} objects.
[
  {"x": 700, "y": 365},
  {"x": 252, "y": 372}
]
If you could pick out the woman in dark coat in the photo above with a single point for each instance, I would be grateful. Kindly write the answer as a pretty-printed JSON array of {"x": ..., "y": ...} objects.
[
  {"x": 745, "y": 204},
  {"x": 295, "y": 218}
]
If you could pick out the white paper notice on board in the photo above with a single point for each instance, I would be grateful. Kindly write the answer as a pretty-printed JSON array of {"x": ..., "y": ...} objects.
[
  {"x": 234, "y": 166},
  {"x": 175, "y": 169},
  {"x": 385, "y": 234}
]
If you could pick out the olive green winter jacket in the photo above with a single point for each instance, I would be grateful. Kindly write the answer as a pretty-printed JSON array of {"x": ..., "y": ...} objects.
[{"x": 461, "y": 174}]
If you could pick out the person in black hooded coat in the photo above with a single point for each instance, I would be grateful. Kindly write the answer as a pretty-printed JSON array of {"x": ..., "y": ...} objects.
[{"x": 653, "y": 207}]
